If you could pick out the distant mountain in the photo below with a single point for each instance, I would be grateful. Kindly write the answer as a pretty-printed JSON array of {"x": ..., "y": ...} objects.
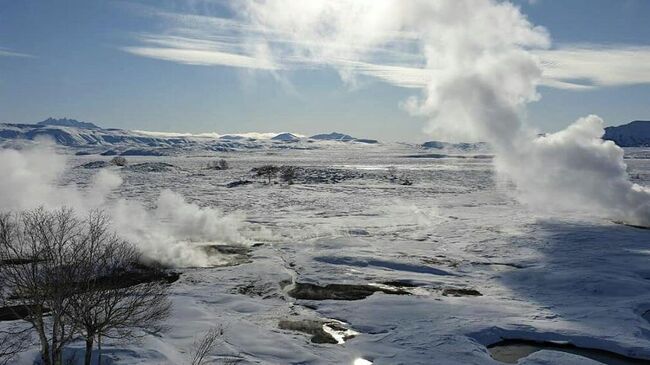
[
  {"x": 340, "y": 137},
  {"x": 65, "y": 122},
  {"x": 286, "y": 137},
  {"x": 334, "y": 136},
  {"x": 634, "y": 134},
  {"x": 233, "y": 137}
]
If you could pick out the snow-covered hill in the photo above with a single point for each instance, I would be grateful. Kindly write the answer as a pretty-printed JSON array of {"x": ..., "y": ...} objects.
[
  {"x": 634, "y": 134},
  {"x": 340, "y": 137},
  {"x": 88, "y": 138}
]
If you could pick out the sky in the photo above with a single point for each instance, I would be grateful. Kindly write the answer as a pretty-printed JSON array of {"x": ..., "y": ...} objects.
[{"x": 199, "y": 66}]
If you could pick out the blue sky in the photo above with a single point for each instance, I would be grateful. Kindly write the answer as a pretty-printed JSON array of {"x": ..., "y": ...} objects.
[{"x": 110, "y": 62}]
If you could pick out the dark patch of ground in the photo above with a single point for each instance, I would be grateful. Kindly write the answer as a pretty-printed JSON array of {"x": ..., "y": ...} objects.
[
  {"x": 95, "y": 165},
  {"x": 238, "y": 183},
  {"x": 400, "y": 284},
  {"x": 460, "y": 292},
  {"x": 16, "y": 312},
  {"x": 338, "y": 291},
  {"x": 18, "y": 261}
]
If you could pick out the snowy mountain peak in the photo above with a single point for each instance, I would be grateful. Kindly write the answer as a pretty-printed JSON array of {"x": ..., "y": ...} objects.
[
  {"x": 65, "y": 122},
  {"x": 286, "y": 137}
]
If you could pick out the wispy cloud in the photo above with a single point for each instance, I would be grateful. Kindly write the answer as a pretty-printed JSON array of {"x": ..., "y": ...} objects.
[
  {"x": 235, "y": 42},
  {"x": 203, "y": 52},
  {"x": 589, "y": 66},
  {"x": 4, "y": 52}
]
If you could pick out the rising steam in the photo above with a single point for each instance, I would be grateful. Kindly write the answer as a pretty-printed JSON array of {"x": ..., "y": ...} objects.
[
  {"x": 172, "y": 233},
  {"x": 481, "y": 73}
]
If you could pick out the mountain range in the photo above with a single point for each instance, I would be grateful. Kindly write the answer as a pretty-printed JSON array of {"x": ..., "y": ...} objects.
[{"x": 89, "y": 138}]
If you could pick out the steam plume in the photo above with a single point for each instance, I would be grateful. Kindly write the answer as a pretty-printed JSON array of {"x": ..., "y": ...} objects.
[
  {"x": 482, "y": 72},
  {"x": 171, "y": 233}
]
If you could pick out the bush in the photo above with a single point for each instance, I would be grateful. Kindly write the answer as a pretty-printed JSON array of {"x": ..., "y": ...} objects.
[
  {"x": 218, "y": 165},
  {"x": 288, "y": 174},
  {"x": 267, "y": 171},
  {"x": 119, "y": 161}
]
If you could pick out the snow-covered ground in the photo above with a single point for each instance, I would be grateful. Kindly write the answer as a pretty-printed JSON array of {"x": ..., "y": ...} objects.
[{"x": 527, "y": 275}]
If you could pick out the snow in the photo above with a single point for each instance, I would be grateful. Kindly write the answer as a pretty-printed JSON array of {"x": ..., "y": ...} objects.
[{"x": 571, "y": 277}]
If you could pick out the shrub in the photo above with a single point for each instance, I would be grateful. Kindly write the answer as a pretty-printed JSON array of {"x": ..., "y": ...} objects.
[
  {"x": 119, "y": 161},
  {"x": 267, "y": 171},
  {"x": 218, "y": 165}
]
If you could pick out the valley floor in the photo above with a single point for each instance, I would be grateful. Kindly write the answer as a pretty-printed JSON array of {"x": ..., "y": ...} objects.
[{"x": 433, "y": 272}]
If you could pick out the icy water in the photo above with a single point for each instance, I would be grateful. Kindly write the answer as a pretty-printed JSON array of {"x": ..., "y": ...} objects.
[{"x": 427, "y": 260}]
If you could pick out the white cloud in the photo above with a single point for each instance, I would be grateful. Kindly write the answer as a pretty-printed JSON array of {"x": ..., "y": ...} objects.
[{"x": 283, "y": 35}]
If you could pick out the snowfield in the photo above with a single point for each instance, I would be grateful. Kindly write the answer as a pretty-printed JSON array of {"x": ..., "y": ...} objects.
[{"x": 431, "y": 272}]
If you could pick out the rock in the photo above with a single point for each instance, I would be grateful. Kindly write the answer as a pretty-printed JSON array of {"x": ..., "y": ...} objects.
[
  {"x": 235, "y": 184},
  {"x": 311, "y": 327},
  {"x": 322, "y": 331}
]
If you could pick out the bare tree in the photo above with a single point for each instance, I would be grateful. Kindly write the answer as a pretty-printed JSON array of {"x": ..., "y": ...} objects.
[
  {"x": 288, "y": 174},
  {"x": 267, "y": 171},
  {"x": 82, "y": 275},
  {"x": 203, "y": 346},
  {"x": 113, "y": 298},
  {"x": 45, "y": 246}
]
